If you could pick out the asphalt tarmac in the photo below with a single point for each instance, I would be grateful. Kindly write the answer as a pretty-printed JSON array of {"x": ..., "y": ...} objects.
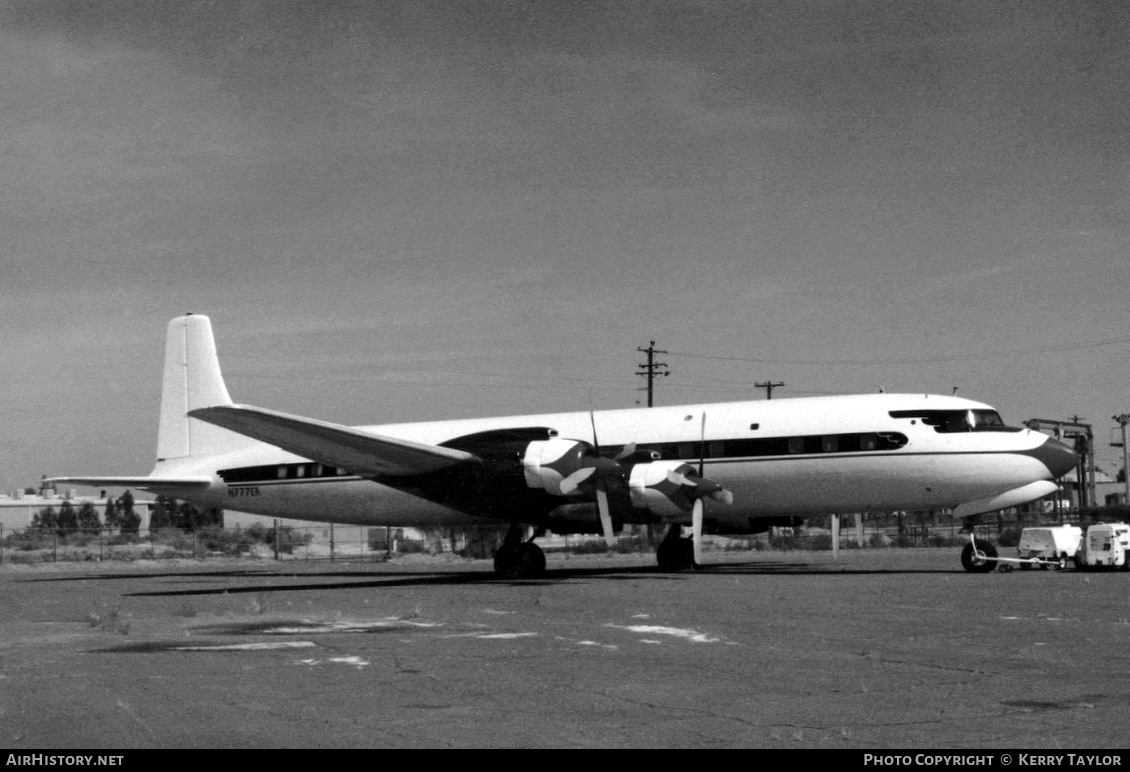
[{"x": 880, "y": 649}]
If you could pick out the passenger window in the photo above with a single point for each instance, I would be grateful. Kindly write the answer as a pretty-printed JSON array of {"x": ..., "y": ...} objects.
[
  {"x": 796, "y": 444},
  {"x": 282, "y": 472},
  {"x": 868, "y": 441},
  {"x": 830, "y": 444}
]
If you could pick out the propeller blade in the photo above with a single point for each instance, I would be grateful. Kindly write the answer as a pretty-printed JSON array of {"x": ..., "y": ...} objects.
[
  {"x": 696, "y": 530},
  {"x": 573, "y": 481},
  {"x": 680, "y": 479},
  {"x": 605, "y": 513},
  {"x": 702, "y": 447},
  {"x": 835, "y": 537}
]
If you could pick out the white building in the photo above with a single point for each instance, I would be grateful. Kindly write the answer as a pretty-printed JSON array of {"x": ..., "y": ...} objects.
[{"x": 18, "y": 508}]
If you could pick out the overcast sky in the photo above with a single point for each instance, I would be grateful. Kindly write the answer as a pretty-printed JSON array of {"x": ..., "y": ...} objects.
[{"x": 410, "y": 210}]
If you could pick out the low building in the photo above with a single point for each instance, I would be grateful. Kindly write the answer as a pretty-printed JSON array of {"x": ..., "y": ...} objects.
[{"x": 19, "y": 507}]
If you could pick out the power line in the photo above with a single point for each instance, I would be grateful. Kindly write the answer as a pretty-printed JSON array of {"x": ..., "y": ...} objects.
[{"x": 909, "y": 360}]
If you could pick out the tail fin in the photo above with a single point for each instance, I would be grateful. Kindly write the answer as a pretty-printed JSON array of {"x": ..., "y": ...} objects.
[{"x": 192, "y": 380}]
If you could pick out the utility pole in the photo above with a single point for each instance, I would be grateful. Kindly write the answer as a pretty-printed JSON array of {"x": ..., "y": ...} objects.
[
  {"x": 1123, "y": 419},
  {"x": 652, "y": 369},
  {"x": 768, "y": 386}
]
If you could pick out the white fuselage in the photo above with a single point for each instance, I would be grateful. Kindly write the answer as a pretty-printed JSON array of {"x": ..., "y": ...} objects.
[{"x": 784, "y": 457}]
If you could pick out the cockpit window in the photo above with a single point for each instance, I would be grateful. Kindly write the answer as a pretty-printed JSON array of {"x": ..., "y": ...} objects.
[
  {"x": 987, "y": 421},
  {"x": 953, "y": 421}
]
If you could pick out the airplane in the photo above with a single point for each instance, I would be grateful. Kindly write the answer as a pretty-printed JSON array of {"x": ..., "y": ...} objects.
[{"x": 726, "y": 468}]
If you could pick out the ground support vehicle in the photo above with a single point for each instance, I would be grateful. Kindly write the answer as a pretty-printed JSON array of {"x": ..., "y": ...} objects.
[{"x": 1105, "y": 545}]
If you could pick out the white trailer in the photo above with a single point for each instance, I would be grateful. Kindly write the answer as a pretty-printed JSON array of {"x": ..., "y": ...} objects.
[{"x": 1048, "y": 547}]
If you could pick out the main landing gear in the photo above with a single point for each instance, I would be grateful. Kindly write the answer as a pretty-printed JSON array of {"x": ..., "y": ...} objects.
[
  {"x": 675, "y": 553},
  {"x": 517, "y": 559}
]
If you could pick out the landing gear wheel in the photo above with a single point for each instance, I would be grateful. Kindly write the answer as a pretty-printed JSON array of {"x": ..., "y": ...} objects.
[
  {"x": 675, "y": 554},
  {"x": 975, "y": 564},
  {"x": 532, "y": 560},
  {"x": 504, "y": 559},
  {"x": 519, "y": 561}
]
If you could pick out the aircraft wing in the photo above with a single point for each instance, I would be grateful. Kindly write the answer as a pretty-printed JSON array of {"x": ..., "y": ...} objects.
[
  {"x": 359, "y": 452},
  {"x": 153, "y": 484}
]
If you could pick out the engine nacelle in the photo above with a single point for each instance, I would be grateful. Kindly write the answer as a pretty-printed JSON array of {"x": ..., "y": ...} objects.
[
  {"x": 651, "y": 489},
  {"x": 548, "y": 462}
]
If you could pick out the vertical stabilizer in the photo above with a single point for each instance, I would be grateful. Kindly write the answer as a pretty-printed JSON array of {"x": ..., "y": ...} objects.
[{"x": 192, "y": 380}]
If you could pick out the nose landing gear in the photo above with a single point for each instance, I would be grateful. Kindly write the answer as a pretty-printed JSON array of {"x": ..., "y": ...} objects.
[{"x": 978, "y": 557}]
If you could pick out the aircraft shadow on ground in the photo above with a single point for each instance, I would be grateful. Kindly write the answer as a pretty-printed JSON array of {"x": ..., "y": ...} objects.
[
  {"x": 155, "y": 575},
  {"x": 416, "y": 578}
]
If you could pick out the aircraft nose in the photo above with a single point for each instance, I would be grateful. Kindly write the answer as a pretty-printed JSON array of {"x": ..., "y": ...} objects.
[{"x": 1057, "y": 457}]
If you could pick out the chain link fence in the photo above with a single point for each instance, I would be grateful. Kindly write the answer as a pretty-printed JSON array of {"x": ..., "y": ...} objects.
[
  {"x": 281, "y": 542},
  {"x": 335, "y": 542}
]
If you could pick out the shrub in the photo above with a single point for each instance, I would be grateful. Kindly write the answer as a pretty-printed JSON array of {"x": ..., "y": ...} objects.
[
  {"x": 630, "y": 544},
  {"x": 123, "y": 538},
  {"x": 30, "y": 539},
  {"x": 173, "y": 538},
  {"x": 28, "y": 557},
  {"x": 821, "y": 542},
  {"x": 942, "y": 540},
  {"x": 588, "y": 547}
]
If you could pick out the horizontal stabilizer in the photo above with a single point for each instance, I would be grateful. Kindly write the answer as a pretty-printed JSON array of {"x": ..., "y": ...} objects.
[
  {"x": 358, "y": 452},
  {"x": 155, "y": 484}
]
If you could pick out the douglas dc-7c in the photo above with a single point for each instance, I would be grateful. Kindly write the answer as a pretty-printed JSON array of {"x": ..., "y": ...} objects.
[{"x": 726, "y": 468}]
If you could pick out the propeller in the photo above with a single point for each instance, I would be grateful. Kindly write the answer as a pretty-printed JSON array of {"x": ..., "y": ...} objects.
[
  {"x": 597, "y": 474},
  {"x": 698, "y": 509},
  {"x": 603, "y": 469},
  {"x": 835, "y": 537},
  {"x": 698, "y": 489}
]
